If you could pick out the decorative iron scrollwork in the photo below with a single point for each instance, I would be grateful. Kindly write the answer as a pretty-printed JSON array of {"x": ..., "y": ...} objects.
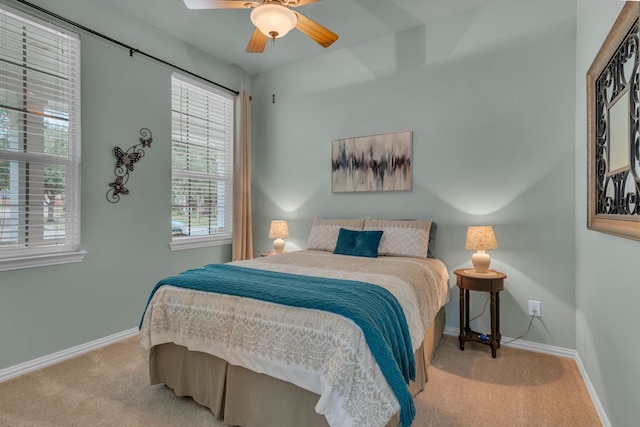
[
  {"x": 125, "y": 161},
  {"x": 617, "y": 192}
]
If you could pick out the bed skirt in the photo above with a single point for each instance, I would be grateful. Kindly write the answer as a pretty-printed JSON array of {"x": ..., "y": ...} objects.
[{"x": 240, "y": 397}]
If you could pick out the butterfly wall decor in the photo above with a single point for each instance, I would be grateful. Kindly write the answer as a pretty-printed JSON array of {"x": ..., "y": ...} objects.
[{"x": 125, "y": 161}]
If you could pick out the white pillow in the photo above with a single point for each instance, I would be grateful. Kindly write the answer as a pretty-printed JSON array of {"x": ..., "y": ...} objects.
[
  {"x": 324, "y": 232},
  {"x": 408, "y": 238}
]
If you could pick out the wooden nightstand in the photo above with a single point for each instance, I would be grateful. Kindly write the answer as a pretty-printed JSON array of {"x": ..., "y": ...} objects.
[{"x": 492, "y": 282}]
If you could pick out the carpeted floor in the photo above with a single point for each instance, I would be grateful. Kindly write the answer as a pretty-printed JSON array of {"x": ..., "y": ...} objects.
[{"x": 109, "y": 387}]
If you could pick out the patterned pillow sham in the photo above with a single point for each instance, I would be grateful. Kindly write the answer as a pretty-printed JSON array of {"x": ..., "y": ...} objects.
[
  {"x": 408, "y": 238},
  {"x": 324, "y": 232}
]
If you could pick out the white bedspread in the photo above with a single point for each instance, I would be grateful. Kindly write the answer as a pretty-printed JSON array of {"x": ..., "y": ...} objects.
[{"x": 318, "y": 351}]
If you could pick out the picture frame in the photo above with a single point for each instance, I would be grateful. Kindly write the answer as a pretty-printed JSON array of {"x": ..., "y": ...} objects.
[
  {"x": 381, "y": 162},
  {"x": 613, "y": 130}
]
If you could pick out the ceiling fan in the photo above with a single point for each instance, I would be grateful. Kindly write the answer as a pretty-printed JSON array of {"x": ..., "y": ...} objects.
[{"x": 272, "y": 19}]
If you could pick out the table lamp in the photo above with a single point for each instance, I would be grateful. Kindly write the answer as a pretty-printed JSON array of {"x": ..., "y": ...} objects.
[
  {"x": 481, "y": 238},
  {"x": 278, "y": 230}
]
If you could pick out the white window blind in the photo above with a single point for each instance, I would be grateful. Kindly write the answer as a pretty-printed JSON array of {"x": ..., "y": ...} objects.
[
  {"x": 39, "y": 142},
  {"x": 202, "y": 164}
]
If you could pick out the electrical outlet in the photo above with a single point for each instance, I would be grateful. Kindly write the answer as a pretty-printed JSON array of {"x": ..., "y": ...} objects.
[{"x": 535, "y": 308}]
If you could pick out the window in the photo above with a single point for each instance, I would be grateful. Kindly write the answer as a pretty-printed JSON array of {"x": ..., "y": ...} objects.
[
  {"x": 39, "y": 143},
  {"x": 202, "y": 164}
]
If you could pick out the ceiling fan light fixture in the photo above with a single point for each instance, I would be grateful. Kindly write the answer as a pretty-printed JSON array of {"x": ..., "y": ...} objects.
[{"x": 273, "y": 20}]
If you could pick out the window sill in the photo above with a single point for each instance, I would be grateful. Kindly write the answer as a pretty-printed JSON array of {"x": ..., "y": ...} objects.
[
  {"x": 41, "y": 260},
  {"x": 180, "y": 243}
]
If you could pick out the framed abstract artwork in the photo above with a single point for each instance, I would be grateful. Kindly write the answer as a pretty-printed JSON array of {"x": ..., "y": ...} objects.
[
  {"x": 613, "y": 131},
  {"x": 372, "y": 163}
]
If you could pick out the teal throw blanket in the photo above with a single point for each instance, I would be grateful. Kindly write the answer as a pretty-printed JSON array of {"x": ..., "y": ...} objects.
[{"x": 374, "y": 309}]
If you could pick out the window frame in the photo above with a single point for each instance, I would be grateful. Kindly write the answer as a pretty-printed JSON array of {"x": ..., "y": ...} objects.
[
  {"x": 24, "y": 255},
  {"x": 180, "y": 242}
]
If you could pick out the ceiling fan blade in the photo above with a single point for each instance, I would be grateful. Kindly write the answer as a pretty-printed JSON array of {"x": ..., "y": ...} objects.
[
  {"x": 317, "y": 32},
  {"x": 257, "y": 42},
  {"x": 217, "y": 4},
  {"x": 302, "y": 2}
]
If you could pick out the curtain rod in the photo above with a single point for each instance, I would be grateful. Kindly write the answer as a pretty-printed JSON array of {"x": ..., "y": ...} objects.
[{"x": 131, "y": 49}]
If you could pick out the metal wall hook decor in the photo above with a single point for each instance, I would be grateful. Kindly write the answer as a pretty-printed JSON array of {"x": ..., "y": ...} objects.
[{"x": 124, "y": 164}]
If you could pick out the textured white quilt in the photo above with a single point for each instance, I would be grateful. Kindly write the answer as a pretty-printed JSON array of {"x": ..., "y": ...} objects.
[{"x": 318, "y": 351}]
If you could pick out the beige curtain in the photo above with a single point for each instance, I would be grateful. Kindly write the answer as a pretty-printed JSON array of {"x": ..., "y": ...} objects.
[{"x": 242, "y": 229}]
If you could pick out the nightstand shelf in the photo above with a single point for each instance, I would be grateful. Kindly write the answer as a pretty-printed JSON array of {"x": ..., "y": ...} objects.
[{"x": 492, "y": 282}]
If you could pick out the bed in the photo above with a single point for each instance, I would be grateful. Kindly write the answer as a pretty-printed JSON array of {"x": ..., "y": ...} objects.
[{"x": 258, "y": 362}]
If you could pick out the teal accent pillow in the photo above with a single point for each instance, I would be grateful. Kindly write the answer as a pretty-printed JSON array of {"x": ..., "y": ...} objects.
[{"x": 358, "y": 243}]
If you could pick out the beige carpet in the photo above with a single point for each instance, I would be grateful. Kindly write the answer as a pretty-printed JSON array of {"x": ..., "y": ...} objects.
[{"x": 109, "y": 387}]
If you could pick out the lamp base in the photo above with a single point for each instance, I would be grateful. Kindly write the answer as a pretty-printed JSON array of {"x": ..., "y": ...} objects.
[
  {"x": 278, "y": 246},
  {"x": 481, "y": 261}
]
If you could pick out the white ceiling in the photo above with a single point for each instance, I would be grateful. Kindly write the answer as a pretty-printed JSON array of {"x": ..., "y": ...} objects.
[{"x": 224, "y": 34}]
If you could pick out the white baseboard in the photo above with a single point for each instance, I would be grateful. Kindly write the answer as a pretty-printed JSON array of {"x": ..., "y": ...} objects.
[
  {"x": 592, "y": 392},
  {"x": 556, "y": 351},
  {"x": 524, "y": 345},
  {"x": 41, "y": 362}
]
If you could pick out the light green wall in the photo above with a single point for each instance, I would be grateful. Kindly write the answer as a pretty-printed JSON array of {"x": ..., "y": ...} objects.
[
  {"x": 48, "y": 309},
  {"x": 489, "y": 96},
  {"x": 607, "y": 274}
]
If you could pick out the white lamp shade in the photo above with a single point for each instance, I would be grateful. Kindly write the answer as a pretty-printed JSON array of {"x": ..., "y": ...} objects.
[
  {"x": 481, "y": 237},
  {"x": 273, "y": 20},
  {"x": 278, "y": 230}
]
